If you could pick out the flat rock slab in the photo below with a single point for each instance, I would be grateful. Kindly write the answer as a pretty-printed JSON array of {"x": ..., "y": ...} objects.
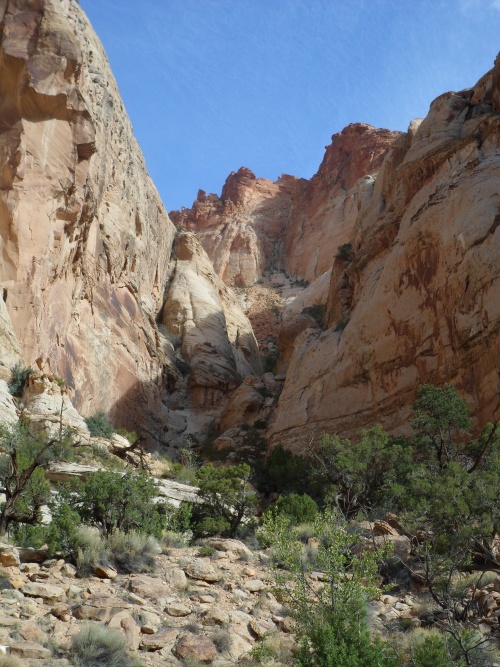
[
  {"x": 235, "y": 546},
  {"x": 30, "y": 651},
  {"x": 178, "y": 610},
  {"x": 254, "y": 585},
  {"x": 159, "y": 640},
  {"x": 148, "y": 587},
  {"x": 46, "y": 591}
]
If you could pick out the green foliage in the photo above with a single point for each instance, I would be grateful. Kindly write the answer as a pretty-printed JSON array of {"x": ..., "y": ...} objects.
[
  {"x": 206, "y": 552},
  {"x": 317, "y": 312},
  {"x": 286, "y": 472},
  {"x": 19, "y": 375},
  {"x": 345, "y": 252},
  {"x": 113, "y": 501},
  {"x": 98, "y": 646},
  {"x": 362, "y": 475},
  {"x": 21, "y": 472},
  {"x": 330, "y": 617},
  {"x": 132, "y": 552},
  {"x": 226, "y": 500},
  {"x": 99, "y": 425},
  {"x": 298, "y": 509},
  {"x": 270, "y": 359},
  {"x": 130, "y": 435}
]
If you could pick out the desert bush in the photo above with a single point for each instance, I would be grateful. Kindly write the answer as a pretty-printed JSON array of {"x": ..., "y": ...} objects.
[
  {"x": 10, "y": 661},
  {"x": 298, "y": 509},
  {"x": 222, "y": 640},
  {"x": 22, "y": 475},
  {"x": 19, "y": 375},
  {"x": 130, "y": 435},
  {"x": 132, "y": 552},
  {"x": 172, "y": 540},
  {"x": 317, "y": 312},
  {"x": 91, "y": 550},
  {"x": 206, "y": 552},
  {"x": 330, "y": 619},
  {"x": 98, "y": 646},
  {"x": 227, "y": 500},
  {"x": 99, "y": 425},
  {"x": 345, "y": 252}
]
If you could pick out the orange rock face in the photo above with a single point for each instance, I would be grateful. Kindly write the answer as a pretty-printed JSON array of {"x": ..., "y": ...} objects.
[
  {"x": 85, "y": 241},
  {"x": 420, "y": 300},
  {"x": 293, "y": 224}
]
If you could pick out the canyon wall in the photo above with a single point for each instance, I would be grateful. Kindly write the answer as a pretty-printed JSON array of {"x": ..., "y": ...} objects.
[
  {"x": 293, "y": 224},
  {"x": 85, "y": 241},
  {"x": 419, "y": 301}
]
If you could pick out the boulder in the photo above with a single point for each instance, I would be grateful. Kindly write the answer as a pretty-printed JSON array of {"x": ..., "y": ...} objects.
[
  {"x": 195, "y": 647},
  {"x": 201, "y": 568},
  {"x": 47, "y": 592}
]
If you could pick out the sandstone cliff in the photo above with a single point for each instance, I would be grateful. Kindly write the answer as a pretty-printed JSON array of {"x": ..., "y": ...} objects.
[
  {"x": 85, "y": 241},
  {"x": 292, "y": 224},
  {"x": 419, "y": 301}
]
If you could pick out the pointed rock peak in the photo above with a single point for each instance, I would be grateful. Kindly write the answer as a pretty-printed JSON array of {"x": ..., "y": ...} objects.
[{"x": 236, "y": 184}]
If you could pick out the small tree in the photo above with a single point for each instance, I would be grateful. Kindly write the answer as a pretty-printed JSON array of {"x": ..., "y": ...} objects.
[
  {"x": 22, "y": 475},
  {"x": 227, "y": 500},
  {"x": 99, "y": 425},
  {"x": 329, "y": 615},
  {"x": 361, "y": 475},
  {"x": 114, "y": 501}
]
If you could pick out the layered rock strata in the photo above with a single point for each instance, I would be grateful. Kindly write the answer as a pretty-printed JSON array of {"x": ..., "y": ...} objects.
[
  {"x": 419, "y": 300},
  {"x": 294, "y": 224}
]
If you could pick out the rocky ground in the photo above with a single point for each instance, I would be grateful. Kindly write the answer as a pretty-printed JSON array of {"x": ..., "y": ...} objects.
[{"x": 216, "y": 610}]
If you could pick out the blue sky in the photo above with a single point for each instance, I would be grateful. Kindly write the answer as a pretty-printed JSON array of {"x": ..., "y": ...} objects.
[{"x": 211, "y": 85}]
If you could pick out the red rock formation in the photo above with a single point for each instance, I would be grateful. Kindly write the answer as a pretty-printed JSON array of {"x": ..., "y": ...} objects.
[
  {"x": 293, "y": 224},
  {"x": 421, "y": 298},
  {"x": 85, "y": 240}
]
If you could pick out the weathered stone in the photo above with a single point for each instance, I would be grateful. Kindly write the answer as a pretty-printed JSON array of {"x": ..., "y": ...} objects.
[
  {"x": 202, "y": 569},
  {"x": 194, "y": 647},
  {"x": 9, "y": 556},
  {"x": 105, "y": 572},
  {"x": 254, "y": 585},
  {"x": 224, "y": 544},
  {"x": 176, "y": 578},
  {"x": 159, "y": 640},
  {"x": 30, "y": 651},
  {"x": 148, "y": 587},
  {"x": 177, "y": 609},
  {"x": 124, "y": 622},
  {"x": 47, "y": 592}
]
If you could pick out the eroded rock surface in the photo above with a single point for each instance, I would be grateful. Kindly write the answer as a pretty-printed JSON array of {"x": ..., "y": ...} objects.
[{"x": 420, "y": 300}]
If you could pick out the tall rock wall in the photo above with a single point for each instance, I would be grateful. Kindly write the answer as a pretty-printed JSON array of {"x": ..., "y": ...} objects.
[
  {"x": 292, "y": 224},
  {"x": 420, "y": 300},
  {"x": 85, "y": 241}
]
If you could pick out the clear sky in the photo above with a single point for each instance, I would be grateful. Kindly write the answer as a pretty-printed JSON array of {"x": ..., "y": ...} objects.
[{"x": 211, "y": 85}]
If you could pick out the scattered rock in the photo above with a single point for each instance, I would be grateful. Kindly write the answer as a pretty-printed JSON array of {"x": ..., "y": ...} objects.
[
  {"x": 30, "y": 651},
  {"x": 50, "y": 594}
]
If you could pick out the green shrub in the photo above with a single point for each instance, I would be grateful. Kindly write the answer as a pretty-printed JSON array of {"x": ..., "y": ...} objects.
[
  {"x": 10, "y": 661},
  {"x": 298, "y": 509},
  {"x": 19, "y": 375},
  {"x": 130, "y": 435},
  {"x": 226, "y": 500},
  {"x": 99, "y": 425},
  {"x": 317, "y": 312},
  {"x": 206, "y": 552},
  {"x": 91, "y": 550},
  {"x": 22, "y": 474},
  {"x": 132, "y": 552},
  {"x": 345, "y": 252},
  {"x": 113, "y": 501},
  {"x": 98, "y": 646}
]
